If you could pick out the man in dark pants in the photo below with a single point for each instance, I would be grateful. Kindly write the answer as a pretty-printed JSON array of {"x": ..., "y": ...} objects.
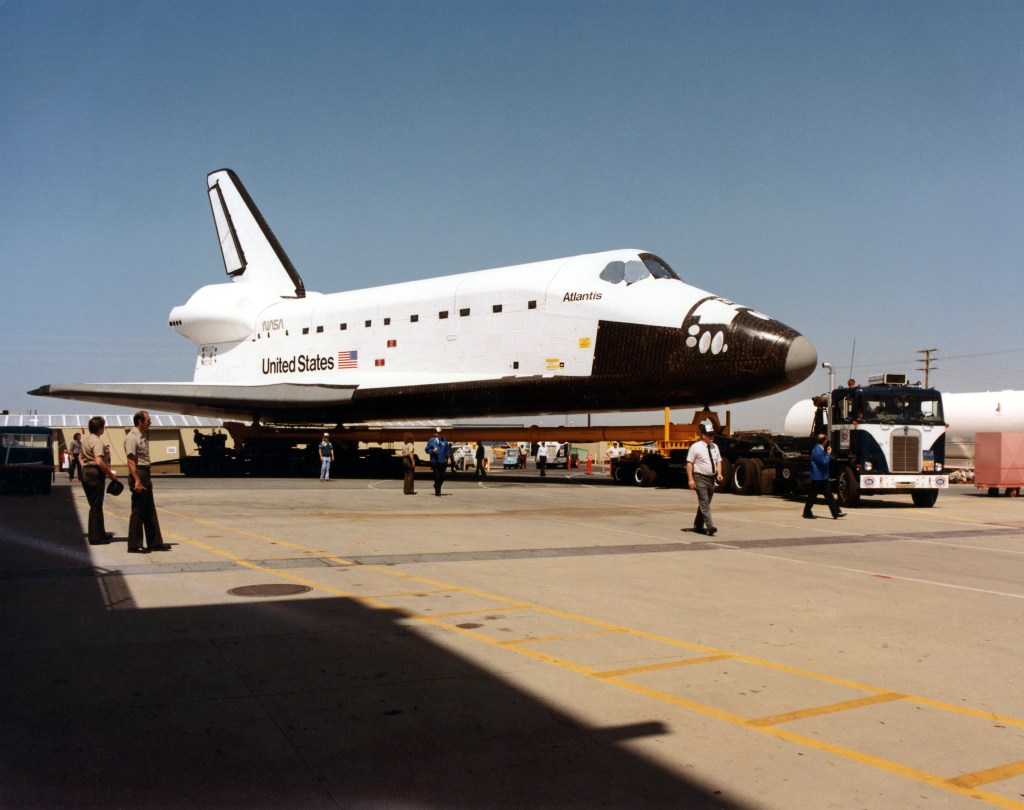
[
  {"x": 820, "y": 462},
  {"x": 95, "y": 470},
  {"x": 703, "y": 474},
  {"x": 440, "y": 454},
  {"x": 481, "y": 460},
  {"x": 143, "y": 519}
]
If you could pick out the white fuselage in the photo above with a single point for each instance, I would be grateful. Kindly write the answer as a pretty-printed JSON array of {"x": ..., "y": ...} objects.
[{"x": 528, "y": 320}]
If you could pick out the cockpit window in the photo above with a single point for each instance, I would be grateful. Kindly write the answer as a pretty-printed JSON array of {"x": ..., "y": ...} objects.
[
  {"x": 658, "y": 268},
  {"x": 613, "y": 272},
  {"x": 633, "y": 271}
]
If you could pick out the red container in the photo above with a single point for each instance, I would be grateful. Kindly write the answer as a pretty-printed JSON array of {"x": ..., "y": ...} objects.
[{"x": 999, "y": 461}]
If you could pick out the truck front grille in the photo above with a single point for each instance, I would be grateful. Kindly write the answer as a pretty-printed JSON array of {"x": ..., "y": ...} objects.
[{"x": 906, "y": 453}]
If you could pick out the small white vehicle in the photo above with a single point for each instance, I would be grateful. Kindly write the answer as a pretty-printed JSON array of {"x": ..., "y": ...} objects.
[
  {"x": 464, "y": 456},
  {"x": 558, "y": 454}
]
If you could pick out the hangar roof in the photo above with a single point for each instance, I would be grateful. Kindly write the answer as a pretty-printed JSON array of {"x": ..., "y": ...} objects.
[{"x": 81, "y": 420}]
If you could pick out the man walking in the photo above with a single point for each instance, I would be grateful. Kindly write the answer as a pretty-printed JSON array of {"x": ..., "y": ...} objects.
[
  {"x": 703, "y": 473},
  {"x": 820, "y": 463},
  {"x": 542, "y": 459},
  {"x": 481, "y": 460},
  {"x": 439, "y": 452},
  {"x": 143, "y": 519}
]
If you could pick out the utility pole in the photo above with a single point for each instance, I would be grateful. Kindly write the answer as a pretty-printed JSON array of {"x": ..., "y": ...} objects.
[{"x": 927, "y": 362}]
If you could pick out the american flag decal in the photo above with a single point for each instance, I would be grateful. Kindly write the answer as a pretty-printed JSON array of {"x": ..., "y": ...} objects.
[{"x": 348, "y": 359}]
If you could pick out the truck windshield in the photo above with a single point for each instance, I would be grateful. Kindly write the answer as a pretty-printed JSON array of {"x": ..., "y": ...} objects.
[
  {"x": 24, "y": 448},
  {"x": 913, "y": 407}
]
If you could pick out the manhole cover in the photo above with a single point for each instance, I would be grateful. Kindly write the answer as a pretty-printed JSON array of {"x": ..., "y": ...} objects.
[{"x": 278, "y": 589}]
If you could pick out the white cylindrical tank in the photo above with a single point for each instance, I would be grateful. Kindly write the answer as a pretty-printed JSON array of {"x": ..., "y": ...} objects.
[
  {"x": 800, "y": 419},
  {"x": 981, "y": 412}
]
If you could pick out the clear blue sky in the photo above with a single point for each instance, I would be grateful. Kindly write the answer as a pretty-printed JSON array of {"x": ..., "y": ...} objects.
[{"x": 854, "y": 169}]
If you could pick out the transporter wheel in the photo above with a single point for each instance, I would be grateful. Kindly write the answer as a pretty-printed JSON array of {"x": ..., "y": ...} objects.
[
  {"x": 847, "y": 488},
  {"x": 756, "y": 468},
  {"x": 993, "y": 492},
  {"x": 1013, "y": 492},
  {"x": 925, "y": 497},
  {"x": 645, "y": 476},
  {"x": 746, "y": 477},
  {"x": 620, "y": 475}
]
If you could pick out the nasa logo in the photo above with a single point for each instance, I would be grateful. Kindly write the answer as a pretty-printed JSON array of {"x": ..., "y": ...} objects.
[{"x": 273, "y": 325}]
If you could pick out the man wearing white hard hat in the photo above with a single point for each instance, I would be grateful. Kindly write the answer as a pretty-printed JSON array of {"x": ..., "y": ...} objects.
[{"x": 703, "y": 474}]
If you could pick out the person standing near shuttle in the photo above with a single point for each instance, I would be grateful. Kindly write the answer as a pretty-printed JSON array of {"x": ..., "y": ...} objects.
[
  {"x": 326, "y": 452},
  {"x": 95, "y": 470},
  {"x": 75, "y": 451},
  {"x": 409, "y": 465},
  {"x": 542, "y": 458},
  {"x": 144, "y": 519},
  {"x": 440, "y": 453},
  {"x": 821, "y": 461},
  {"x": 481, "y": 460},
  {"x": 703, "y": 474}
]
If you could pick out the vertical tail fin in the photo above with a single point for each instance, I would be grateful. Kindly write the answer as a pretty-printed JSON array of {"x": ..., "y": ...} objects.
[{"x": 251, "y": 252}]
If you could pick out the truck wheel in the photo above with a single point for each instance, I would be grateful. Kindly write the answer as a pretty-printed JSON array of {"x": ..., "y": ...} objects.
[
  {"x": 645, "y": 476},
  {"x": 1013, "y": 492},
  {"x": 847, "y": 488},
  {"x": 745, "y": 477},
  {"x": 756, "y": 467},
  {"x": 620, "y": 475},
  {"x": 925, "y": 497},
  {"x": 726, "y": 476}
]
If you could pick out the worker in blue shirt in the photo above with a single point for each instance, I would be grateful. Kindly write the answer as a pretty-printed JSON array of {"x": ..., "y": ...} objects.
[
  {"x": 820, "y": 463},
  {"x": 439, "y": 452}
]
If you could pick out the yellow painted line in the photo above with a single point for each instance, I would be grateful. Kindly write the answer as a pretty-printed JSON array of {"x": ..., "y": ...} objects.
[
  {"x": 398, "y": 594},
  {"x": 567, "y": 637},
  {"x": 853, "y": 755},
  {"x": 683, "y": 662},
  {"x": 817, "y": 711},
  {"x": 1008, "y": 771},
  {"x": 537, "y": 639},
  {"x": 473, "y": 612},
  {"x": 957, "y": 785}
]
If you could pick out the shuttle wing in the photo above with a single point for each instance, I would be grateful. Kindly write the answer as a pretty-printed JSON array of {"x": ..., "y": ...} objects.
[{"x": 223, "y": 401}]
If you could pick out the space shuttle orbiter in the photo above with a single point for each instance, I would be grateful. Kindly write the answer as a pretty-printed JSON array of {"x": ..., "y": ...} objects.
[{"x": 612, "y": 331}]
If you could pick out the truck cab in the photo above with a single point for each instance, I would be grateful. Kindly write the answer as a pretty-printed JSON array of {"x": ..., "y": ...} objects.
[{"x": 887, "y": 436}]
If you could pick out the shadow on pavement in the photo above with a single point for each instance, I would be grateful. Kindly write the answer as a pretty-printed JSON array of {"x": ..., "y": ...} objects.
[{"x": 275, "y": 703}]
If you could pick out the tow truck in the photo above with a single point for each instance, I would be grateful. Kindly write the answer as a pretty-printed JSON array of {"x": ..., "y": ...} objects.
[{"x": 886, "y": 437}]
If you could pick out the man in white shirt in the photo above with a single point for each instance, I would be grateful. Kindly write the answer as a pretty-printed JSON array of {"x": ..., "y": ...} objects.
[{"x": 703, "y": 474}]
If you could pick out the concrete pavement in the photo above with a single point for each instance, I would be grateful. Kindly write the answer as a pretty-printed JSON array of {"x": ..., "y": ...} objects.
[{"x": 514, "y": 643}]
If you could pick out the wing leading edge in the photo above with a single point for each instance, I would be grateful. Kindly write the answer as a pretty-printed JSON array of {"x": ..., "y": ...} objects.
[{"x": 223, "y": 401}]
